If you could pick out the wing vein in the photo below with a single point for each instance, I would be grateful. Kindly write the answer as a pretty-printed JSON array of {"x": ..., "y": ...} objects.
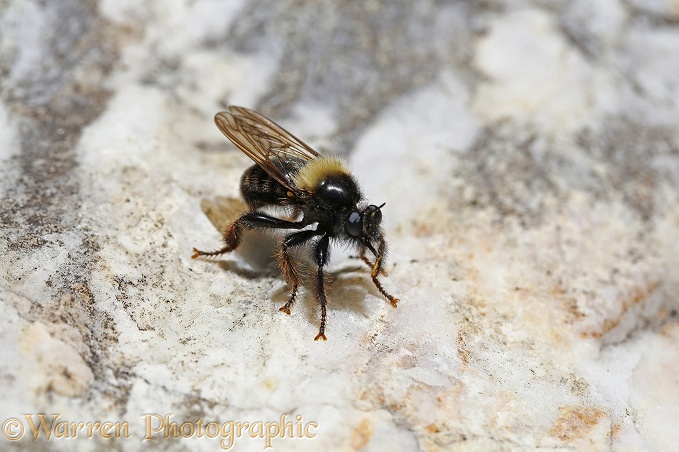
[{"x": 270, "y": 146}]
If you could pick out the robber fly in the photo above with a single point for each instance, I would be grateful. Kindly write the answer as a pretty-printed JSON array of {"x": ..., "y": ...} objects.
[{"x": 319, "y": 190}]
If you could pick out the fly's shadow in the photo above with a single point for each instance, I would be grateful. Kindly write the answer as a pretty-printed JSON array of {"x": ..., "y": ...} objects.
[{"x": 347, "y": 284}]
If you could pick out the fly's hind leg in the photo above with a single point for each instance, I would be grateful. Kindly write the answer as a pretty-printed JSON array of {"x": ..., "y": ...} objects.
[
  {"x": 249, "y": 220},
  {"x": 289, "y": 266},
  {"x": 232, "y": 237}
]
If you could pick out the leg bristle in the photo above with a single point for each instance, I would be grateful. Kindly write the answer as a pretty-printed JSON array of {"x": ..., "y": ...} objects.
[{"x": 290, "y": 269}]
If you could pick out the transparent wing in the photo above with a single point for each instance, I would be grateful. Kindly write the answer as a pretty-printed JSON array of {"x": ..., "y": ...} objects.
[{"x": 273, "y": 148}]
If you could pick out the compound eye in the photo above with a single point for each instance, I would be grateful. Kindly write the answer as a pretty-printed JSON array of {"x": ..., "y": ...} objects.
[{"x": 354, "y": 224}]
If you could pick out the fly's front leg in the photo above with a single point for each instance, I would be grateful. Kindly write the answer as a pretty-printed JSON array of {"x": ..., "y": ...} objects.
[
  {"x": 321, "y": 258},
  {"x": 377, "y": 269},
  {"x": 289, "y": 267},
  {"x": 249, "y": 220},
  {"x": 365, "y": 259}
]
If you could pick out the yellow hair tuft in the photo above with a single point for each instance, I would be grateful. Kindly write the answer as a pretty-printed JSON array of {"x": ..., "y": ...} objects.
[{"x": 311, "y": 174}]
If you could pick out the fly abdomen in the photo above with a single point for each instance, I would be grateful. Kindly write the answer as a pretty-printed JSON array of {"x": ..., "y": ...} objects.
[{"x": 260, "y": 189}]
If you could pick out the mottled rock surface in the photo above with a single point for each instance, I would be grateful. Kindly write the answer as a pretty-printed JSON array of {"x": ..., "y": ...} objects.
[{"x": 528, "y": 155}]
